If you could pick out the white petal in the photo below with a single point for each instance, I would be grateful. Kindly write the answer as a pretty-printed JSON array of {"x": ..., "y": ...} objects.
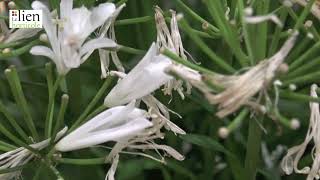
[
  {"x": 48, "y": 25},
  {"x": 143, "y": 79},
  {"x": 42, "y": 51},
  {"x": 65, "y": 8},
  {"x": 100, "y": 14},
  {"x": 22, "y": 34},
  {"x": 131, "y": 128},
  {"x": 97, "y": 44}
]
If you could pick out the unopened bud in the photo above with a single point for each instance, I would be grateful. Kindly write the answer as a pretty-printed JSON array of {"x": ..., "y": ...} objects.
[
  {"x": 295, "y": 124},
  {"x": 308, "y": 24},
  {"x": 43, "y": 38},
  {"x": 205, "y": 25},
  {"x": 12, "y": 5},
  {"x": 292, "y": 87},
  {"x": 223, "y": 132},
  {"x": 277, "y": 82},
  {"x": 248, "y": 11},
  {"x": 6, "y": 50},
  {"x": 287, "y": 3}
]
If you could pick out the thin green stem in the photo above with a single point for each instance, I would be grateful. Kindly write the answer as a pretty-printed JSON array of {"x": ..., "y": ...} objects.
[
  {"x": 130, "y": 21},
  {"x": 297, "y": 51},
  {"x": 20, "y": 51},
  {"x": 131, "y": 50},
  {"x": 253, "y": 149},
  {"x": 50, "y": 111},
  {"x": 93, "y": 103},
  {"x": 298, "y": 96},
  {"x": 248, "y": 42},
  {"x": 20, "y": 99},
  {"x": 81, "y": 162},
  {"x": 227, "y": 31},
  {"x": 304, "y": 14},
  {"x": 14, "y": 123},
  {"x": 195, "y": 15},
  {"x": 15, "y": 139},
  {"x": 6, "y": 146},
  {"x": 185, "y": 62},
  {"x": 308, "y": 78},
  {"x": 238, "y": 120},
  {"x": 212, "y": 55},
  {"x": 60, "y": 119},
  {"x": 305, "y": 56}
]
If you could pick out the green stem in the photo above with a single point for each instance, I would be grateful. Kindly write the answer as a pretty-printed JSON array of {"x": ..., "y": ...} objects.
[
  {"x": 305, "y": 56},
  {"x": 16, "y": 140},
  {"x": 6, "y": 146},
  {"x": 253, "y": 150},
  {"x": 238, "y": 120},
  {"x": 131, "y": 50},
  {"x": 18, "y": 52},
  {"x": 195, "y": 15},
  {"x": 207, "y": 50},
  {"x": 227, "y": 31},
  {"x": 20, "y": 99},
  {"x": 60, "y": 119},
  {"x": 14, "y": 123},
  {"x": 185, "y": 62},
  {"x": 308, "y": 78},
  {"x": 50, "y": 111},
  {"x": 304, "y": 14},
  {"x": 298, "y": 97},
  {"x": 130, "y": 21},
  {"x": 81, "y": 162},
  {"x": 93, "y": 103}
]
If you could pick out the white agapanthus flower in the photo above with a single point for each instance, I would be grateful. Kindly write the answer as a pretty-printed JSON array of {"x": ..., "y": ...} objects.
[
  {"x": 68, "y": 35},
  {"x": 113, "y": 124},
  {"x": 22, "y": 156},
  {"x": 155, "y": 107},
  {"x": 145, "y": 140},
  {"x": 147, "y": 76},
  {"x": 290, "y": 162}
]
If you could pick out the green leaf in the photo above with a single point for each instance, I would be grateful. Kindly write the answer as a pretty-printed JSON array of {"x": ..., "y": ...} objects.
[{"x": 206, "y": 142}]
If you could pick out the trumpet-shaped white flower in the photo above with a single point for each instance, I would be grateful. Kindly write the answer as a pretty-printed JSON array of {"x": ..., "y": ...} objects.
[
  {"x": 291, "y": 160},
  {"x": 111, "y": 125},
  {"x": 147, "y": 76},
  {"x": 68, "y": 34},
  {"x": 22, "y": 156}
]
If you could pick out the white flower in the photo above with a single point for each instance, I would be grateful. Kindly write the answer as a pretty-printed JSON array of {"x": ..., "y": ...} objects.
[
  {"x": 68, "y": 34},
  {"x": 147, "y": 76},
  {"x": 113, "y": 124},
  {"x": 22, "y": 156},
  {"x": 291, "y": 160}
]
